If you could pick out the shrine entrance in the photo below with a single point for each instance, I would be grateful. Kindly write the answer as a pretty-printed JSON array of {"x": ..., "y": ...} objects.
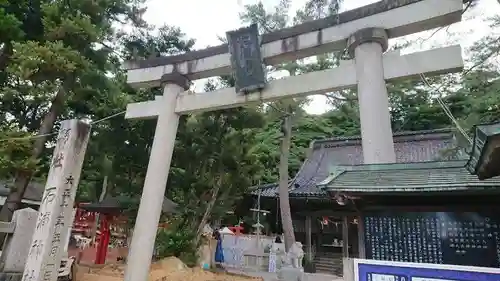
[{"x": 364, "y": 32}]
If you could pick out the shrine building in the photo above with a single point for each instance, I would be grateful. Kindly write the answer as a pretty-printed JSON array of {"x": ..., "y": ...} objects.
[{"x": 424, "y": 208}]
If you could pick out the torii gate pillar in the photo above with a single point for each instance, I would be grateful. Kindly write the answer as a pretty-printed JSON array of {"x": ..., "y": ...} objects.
[
  {"x": 367, "y": 47},
  {"x": 143, "y": 238}
]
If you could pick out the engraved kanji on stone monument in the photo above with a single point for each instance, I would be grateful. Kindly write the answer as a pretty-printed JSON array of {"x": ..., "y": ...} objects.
[
  {"x": 246, "y": 59},
  {"x": 54, "y": 216}
]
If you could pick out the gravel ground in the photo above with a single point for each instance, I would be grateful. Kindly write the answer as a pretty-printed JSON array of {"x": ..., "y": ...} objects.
[{"x": 272, "y": 276}]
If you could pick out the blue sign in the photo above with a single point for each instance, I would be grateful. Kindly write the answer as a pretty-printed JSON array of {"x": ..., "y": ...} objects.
[{"x": 374, "y": 270}]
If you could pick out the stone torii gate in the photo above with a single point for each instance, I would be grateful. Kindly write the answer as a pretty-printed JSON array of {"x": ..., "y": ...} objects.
[{"x": 364, "y": 32}]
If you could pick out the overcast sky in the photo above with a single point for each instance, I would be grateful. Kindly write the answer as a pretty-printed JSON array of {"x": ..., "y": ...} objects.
[{"x": 204, "y": 20}]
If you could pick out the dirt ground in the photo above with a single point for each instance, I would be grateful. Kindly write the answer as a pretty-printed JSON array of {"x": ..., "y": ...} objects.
[{"x": 169, "y": 269}]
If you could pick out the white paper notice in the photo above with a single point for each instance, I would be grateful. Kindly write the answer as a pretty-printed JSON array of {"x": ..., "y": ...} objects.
[{"x": 384, "y": 277}]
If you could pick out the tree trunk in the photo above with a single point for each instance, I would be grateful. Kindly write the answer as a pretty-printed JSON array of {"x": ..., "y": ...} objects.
[
  {"x": 286, "y": 216},
  {"x": 23, "y": 178},
  {"x": 208, "y": 211},
  {"x": 192, "y": 222}
]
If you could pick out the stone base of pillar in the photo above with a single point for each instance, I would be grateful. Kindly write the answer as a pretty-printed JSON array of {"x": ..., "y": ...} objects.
[
  {"x": 11, "y": 276},
  {"x": 348, "y": 269}
]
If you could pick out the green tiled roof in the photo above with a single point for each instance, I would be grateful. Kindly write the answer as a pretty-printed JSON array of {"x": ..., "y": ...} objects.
[
  {"x": 326, "y": 154},
  {"x": 407, "y": 177}
]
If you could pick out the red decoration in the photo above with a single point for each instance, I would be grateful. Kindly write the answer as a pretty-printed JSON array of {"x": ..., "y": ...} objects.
[
  {"x": 236, "y": 229},
  {"x": 84, "y": 222},
  {"x": 325, "y": 221}
]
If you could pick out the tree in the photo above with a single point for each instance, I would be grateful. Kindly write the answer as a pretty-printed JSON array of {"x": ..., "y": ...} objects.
[
  {"x": 222, "y": 140},
  {"x": 127, "y": 142},
  {"x": 49, "y": 59},
  {"x": 268, "y": 22}
]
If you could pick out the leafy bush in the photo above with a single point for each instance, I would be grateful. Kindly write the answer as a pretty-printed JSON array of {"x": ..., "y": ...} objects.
[{"x": 177, "y": 243}]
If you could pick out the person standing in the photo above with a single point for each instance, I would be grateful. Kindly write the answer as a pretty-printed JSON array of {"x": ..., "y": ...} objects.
[{"x": 219, "y": 253}]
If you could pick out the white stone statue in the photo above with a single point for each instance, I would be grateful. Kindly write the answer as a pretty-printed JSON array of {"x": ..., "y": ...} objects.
[{"x": 294, "y": 256}]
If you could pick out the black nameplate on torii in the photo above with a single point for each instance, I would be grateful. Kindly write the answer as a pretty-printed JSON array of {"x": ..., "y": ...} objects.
[{"x": 246, "y": 59}]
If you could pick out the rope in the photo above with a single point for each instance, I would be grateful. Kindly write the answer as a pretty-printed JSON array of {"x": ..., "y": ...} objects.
[
  {"x": 54, "y": 133},
  {"x": 446, "y": 109}
]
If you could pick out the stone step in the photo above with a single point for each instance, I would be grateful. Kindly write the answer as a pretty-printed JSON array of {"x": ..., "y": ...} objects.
[
  {"x": 329, "y": 270},
  {"x": 327, "y": 259},
  {"x": 325, "y": 266},
  {"x": 326, "y": 271},
  {"x": 322, "y": 261},
  {"x": 328, "y": 255},
  {"x": 328, "y": 263}
]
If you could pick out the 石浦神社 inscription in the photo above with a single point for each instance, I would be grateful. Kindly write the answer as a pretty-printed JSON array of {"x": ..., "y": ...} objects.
[{"x": 246, "y": 60}]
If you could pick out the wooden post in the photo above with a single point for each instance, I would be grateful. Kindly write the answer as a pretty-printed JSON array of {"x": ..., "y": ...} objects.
[
  {"x": 361, "y": 237},
  {"x": 345, "y": 237},
  {"x": 55, "y": 211},
  {"x": 309, "y": 238}
]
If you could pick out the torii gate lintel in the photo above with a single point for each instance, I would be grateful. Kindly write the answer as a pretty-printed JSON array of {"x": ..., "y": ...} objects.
[{"x": 396, "y": 67}]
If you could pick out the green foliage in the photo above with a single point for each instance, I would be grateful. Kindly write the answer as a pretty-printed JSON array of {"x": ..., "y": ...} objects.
[
  {"x": 224, "y": 140},
  {"x": 10, "y": 25},
  {"x": 15, "y": 153},
  {"x": 177, "y": 243},
  {"x": 32, "y": 60}
]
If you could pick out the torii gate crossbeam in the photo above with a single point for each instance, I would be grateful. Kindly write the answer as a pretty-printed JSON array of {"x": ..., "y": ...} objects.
[{"x": 396, "y": 67}]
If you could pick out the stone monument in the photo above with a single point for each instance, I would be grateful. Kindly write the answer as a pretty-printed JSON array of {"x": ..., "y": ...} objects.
[
  {"x": 16, "y": 248},
  {"x": 56, "y": 209}
]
